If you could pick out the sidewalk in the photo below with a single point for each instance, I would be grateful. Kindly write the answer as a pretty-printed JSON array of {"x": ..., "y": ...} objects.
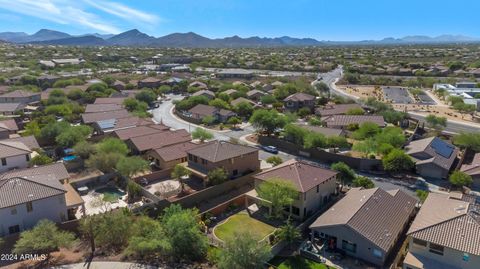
[{"x": 106, "y": 265}]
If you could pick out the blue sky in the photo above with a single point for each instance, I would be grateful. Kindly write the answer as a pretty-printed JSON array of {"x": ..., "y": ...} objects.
[{"x": 320, "y": 19}]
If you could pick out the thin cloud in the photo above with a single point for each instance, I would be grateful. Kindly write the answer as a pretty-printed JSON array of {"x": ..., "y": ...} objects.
[{"x": 124, "y": 11}]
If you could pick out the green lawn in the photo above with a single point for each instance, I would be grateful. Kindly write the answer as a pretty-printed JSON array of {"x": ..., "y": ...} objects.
[
  {"x": 297, "y": 263},
  {"x": 242, "y": 222}
]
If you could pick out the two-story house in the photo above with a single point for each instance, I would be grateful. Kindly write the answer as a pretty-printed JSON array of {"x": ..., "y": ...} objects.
[
  {"x": 7, "y": 127},
  {"x": 237, "y": 160},
  {"x": 13, "y": 155},
  {"x": 445, "y": 233},
  {"x": 20, "y": 96},
  {"x": 315, "y": 185},
  {"x": 200, "y": 111},
  {"x": 299, "y": 100}
]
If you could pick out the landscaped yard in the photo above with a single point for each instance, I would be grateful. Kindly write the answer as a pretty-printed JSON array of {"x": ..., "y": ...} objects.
[
  {"x": 297, "y": 263},
  {"x": 242, "y": 222}
]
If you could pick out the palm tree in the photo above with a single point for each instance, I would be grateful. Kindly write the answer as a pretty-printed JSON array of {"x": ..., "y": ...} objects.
[{"x": 289, "y": 233}]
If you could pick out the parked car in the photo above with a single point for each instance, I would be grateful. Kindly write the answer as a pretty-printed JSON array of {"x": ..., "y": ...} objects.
[{"x": 270, "y": 149}]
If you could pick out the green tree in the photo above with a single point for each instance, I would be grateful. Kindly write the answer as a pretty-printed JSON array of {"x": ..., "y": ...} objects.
[
  {"x": 146, "y": 96},
  {"x": 314, "y": 140},
  {"x": 179, "y": 172},
  {"x": 422, "y": 195},
  {"x": 45, "y": 238},
  {"x": 103, "y": 161},
  {"x": 367, "y": 147},
  {"x": 468, "y": 140},
  {"x": 217, "y": 176},
  {"x": 304, "y": 112},
  {"x": 130, "y": 166},
  {"x": 147, "y": 241},
  {"x": 397, "y": 160},
  {"x": 346, "y": 174},
  {"x": 364, "y": 182},
  {"x": 234, "y": 121},
  {"x": 279, "y": 193},
  {"x": 41, "y": 159},
  {"x": 243, "y": 251},
  {"x": 32, "y": 128},
  {"x": 113, "y": 145},
  {"x": 84, "y": 149},
  {"x": 208, "y": 120},
  {"x": 289, "y": 234},
  {"x": 183, "y": 233},
  {"x": 133, "y": 190},
  {"x": 355, "y": 111},
  {"x": 460, "y": 179},
  {"x": 73, "y": 135},
  {"x": 201, "y": 134},
  {"x": 274, "y": 160},
  {"x": 366, "y": 130},
  {"x": 219, "y": 103},
  {"x": 244, "y": 109},
  {"x": 109, "y": 231},
  {"x": 436, "y": 122},
  {"x": 268, "y": 121}
]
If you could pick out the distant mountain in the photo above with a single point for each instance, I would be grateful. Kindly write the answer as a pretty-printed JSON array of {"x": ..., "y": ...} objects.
[
  {"x": 136, "y": 38},
  {"x": 131, "y": 38},
  {"x": 89, "y": 40}
]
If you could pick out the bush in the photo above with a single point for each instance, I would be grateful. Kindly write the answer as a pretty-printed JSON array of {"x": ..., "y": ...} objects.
[{"x": 217, "y": 176}]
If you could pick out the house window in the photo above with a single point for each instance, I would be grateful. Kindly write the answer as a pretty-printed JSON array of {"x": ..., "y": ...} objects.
[
  {"x": 29, "y": 207},
  {"x": 235, "y": 172},
  {"x": 437, "y": 249},
  {"x": 419, "y": 242},
  {"x": 190, "y": 157},
  {"x": 318, "y": 188},
  {"x": 295, "y": 210},
  {"x": 349, "y": 246},
  {"x": 14, "y": 211},
  {"x": 27, "y": 157},
  {"x": 466, "y": 257},
  {"x": 377, "y": 253},
  {"x": 4, "y": 161},
  {"x": 14, "y": 229},
  {"x": 195, "y": 159}
]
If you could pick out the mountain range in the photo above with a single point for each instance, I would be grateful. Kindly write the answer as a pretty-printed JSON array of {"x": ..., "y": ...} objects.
[{"x": 190, "y": 39}]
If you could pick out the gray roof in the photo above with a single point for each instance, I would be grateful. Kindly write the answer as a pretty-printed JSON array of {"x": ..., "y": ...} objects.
[
  {"x": 29, "y": 141},
  {"x": 242, "y": 100},
  {"x": 449, "y": 221},
  {"x": 55, "y": 171},
  {"x": 19, "y": 94},
  {"x": 345, "y": 120},
  {"x": 322, "y": 130},
  {"x": 11, "y": 107},
  {"x": 94, "y": 108},
  {"x": 300, "y": 97},
  {"x": 377, "y": 215},
  {"x": 304, "y": 176},
  {"x": 12, "y": 148},
  {"x": 203, "y": 110},
  {"x": 204, "y": 92},
  {"x": 221, "y": 150},
  {"x": 472, "y": 168},
  {"x": 432, "y": 150},
  {"x": 17, "y": 190},
  {"x": 9, "y": 125}
]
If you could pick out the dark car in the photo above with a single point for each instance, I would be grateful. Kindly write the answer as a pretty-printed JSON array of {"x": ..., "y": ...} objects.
[{"x": 270, "y": 149}]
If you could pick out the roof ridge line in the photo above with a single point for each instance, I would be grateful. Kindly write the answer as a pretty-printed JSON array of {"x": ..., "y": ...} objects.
[
  {"x": 36, "y": 182},
  {"x": 438, "y": 223}
]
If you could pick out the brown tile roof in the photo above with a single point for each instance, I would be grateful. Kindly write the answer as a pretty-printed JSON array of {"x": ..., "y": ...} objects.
[
  {"x": 56, "y": 171},
  {"x": 217, "y": 151},
  {"x": 11, "y": 148},
  {"x": 9, "y": 125},
  {"x": 99, "y": 116},
  {"x": 339, "y": 109},
  {"x": 345, "y": 120},
  {"x": 175, "y": 152},
  {"x": 449, "y": 222},
  {"x": 439, "y": 152},
  {"x": 254, "y": 92},
  {"x": 11, "y": 107},
  {"x": 123, "y": 123},
  {"x": 161, "y": 139},
  {"x": 300, "y": 97},
  {"x": 19, "y": 93},
  {"x": 203, "y": 110},
  {"x": 473, "y": 168},
  {"x": 126, "y": 134},
  {"x": 72, "y": 198},
  {"x": 323, "y": 130},
  {"x": 204, "y": 92},
  {"x": 375, "y": 214},
  {"x": 304, "y": 176},
  {"x": 110, "y": 100},
  {"x": 29, "y": 141},
  {"x": 242, "y": 100},
  {"x": 17, "y": 190},
  {"x": 93, "y": 108}
]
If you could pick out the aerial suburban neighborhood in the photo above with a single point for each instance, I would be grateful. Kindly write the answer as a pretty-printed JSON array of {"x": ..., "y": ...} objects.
[{"x": 121, "y": 149}]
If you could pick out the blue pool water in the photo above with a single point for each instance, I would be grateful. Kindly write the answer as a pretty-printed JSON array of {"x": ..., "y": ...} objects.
[{"x": 69, "y": 158}]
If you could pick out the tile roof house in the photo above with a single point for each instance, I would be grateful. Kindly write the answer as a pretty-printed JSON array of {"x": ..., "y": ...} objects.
[
  {"x": 142, "y": 144},
  {"x": 230, "y": 92},
  {"x": 29, "y": 195},
  {"x": 472, "y": 168},
  {"x": 200, "y": 111},
  {"x": 167, "y": 157},
  {"x": 445, "y": 233},
  {"x": 343, "y": 121},
  {"x": 7, "y": 127},
  {"x": 366, "y": 223},
  {"x": 198, "y": 84},
  {"x": 237, "y": 160},
  {"x": 111, "y": 125},
  {"x": 94, "y": 108},
  {"x": 255, "y": 94},
  {"x": 209, "y": 94},
  {"x": 89, "y": 118},
  {"x": 323, "y": 130},
  {"x": 433, "y": 156},
  {"x": 314, "y": 184},
  {"x": 150, "y": 83},
  {"x": 110, "y": 100},
  {"x": 142, "y": 130},
  {"x": 299, "y": 100},
  {"x": 20, "y": 96},
  {"x": 243, "y": 100},
  {"x": 29, "y": 141},
  {"x": 118, "y": 85},
  {"x": 13, "y": 155},
  {"x": 337, "y": 109},
  {"x": 7, "y": 109}
]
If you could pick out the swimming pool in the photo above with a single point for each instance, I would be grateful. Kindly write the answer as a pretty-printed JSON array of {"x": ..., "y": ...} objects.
[
  {"x": 110, "y": 194},
  {"x": 69, "y": 158}
]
